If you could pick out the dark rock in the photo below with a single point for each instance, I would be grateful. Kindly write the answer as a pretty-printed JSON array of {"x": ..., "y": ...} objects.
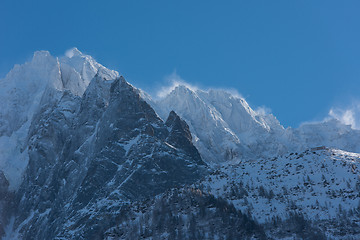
[{"x": 110, "y": 147}]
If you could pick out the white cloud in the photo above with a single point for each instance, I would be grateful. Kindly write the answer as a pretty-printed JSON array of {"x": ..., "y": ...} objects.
[
  {"x": 349, "y": 115},
  {"x": 232, "y": 91},
  {"x": 263, "y": 111},
  {"x": 173, "y": 81},
  {"x": 69, "y": 53},
  {"x": 72, "y": 52}
]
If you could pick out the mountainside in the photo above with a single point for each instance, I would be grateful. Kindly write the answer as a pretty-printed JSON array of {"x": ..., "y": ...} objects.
[{"x": 86, "y": 155}]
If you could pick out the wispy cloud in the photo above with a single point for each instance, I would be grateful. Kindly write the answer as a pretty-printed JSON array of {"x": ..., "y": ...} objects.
[
  {"x": 263, "y": 111},
  {"x": 349, "y": 115},
  {"x": 69, "y": 53},
  {"x": 172, "y": 81},
  {"x": 232, "y": 91}
]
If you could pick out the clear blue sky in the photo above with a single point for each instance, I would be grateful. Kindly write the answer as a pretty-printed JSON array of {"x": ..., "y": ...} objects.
[{"x": 299, "y": 58}]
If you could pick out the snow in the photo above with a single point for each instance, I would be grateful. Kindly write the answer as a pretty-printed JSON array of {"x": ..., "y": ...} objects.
[
  {"x": 13, "y": 158},
  {"x": 9, "y": 233},
  {"x": 130, "y": 143},
  {"x": 20, "y": 96},
  {"x": 205, "y": 122}
]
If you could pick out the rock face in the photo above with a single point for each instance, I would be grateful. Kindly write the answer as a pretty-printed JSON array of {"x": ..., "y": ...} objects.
[
  {"x": 180, "y": 135},
  {"x": 90, "y": 155}
]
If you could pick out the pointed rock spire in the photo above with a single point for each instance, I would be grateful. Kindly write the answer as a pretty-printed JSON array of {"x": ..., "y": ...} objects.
[{"x": 180, "y": 135}]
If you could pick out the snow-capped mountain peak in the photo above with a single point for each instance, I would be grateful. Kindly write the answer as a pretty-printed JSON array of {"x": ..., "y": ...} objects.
[
  {"x": 30, "y": 85},
  {"x": 225, "y": 126},
  {"x": 78, "y": 70}
]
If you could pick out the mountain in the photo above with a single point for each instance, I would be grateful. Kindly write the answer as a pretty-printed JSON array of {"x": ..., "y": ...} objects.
[
  {"x": 331, "y": 133},
  {"x": 226, "y": 128},
  {"x": 89, "y": 154},
  {"x": 86, "y": 155}
]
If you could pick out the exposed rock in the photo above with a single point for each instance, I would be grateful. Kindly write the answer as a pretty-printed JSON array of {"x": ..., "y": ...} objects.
[{"x": 81, "y": 170}]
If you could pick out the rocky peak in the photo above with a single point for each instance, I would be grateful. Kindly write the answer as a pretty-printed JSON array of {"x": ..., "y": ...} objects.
[
  {"x": 126, "y": 100},
  {"x": 180, "y": 135},
  {"x": 178, "y": 127}
]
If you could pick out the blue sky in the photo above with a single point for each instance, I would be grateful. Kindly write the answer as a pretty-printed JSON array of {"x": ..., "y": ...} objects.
[{"x": 298, "y": 58}]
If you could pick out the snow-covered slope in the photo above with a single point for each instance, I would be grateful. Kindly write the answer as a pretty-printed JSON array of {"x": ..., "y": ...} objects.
[{"x": 321, "y": 184}]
